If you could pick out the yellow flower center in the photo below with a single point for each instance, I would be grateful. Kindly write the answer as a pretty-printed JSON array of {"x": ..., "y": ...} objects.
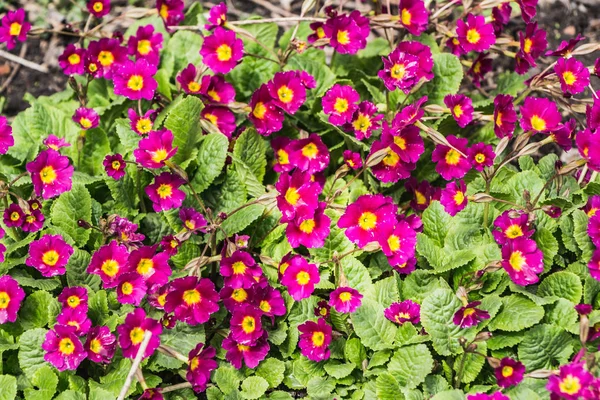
[
  {"x": 106, "y": 58},
  {"x": 590, "y": 213},
  {"x": 265, "y": 306},
  {"x": 527, "y": 45},
  {"x": 50, "y": 258},
  {"x": 224, "y": 52},
  {"x": 343, "y": 37},
  {"x": 285, "y": 94},
  {"x": 320, "y": 32},
  {"x": 292, "y": 196},
  {"x": 191, "y": 225},
  {"x": 398, "y": 71},
  {"x": 144, "y": 125},
  {"x": 115, "y": 165},
  {"x": 452, "y": 157},
  {"x": 513, "y": 231},
  {"x": 400, "y": 142},
  {"x": 136, "y": 335},
  {"x": 14, "y": 216},
  {"x": 303, "y": 278},
  {"x": 164, "y": 11},
  {"x": 213, "y": 94},
  {"x": 345, "y": 296},
  {"x": 283, "y": 157},
  {"x": 15, "y": 29},
  {"x": 538, "y": 123},
  {"x": 162, "y": 299},
  {"x": 479, "y": 158},
  {"x": 98, "y": 6},
  {"x": 110, "y": 267},
  {"x": 212, "y": 118},
  {"x": 362, "y": 123},
  {"x": 391, "y": 159},
  {"x": 401, "y": 316},
  {"x": 95, "y": 346},
  {"x": 283, "y": 267},
  {"x": 48, "y": 174},
  {"x": 127, "y": 288},
  {"x": 73, "y": 301},
  {"x": 85, "y": 123},
  {"x": 74, "y": 59},
  {"x": 367, "y": 220},
  {"x": 307, "y": 226},
  {"x": 499, "y": 119},
  {"x": 318, "y": 338},
  {"x": 569, "y": 78},
  {"x": 164, "y": 191},
  {"x": 159, "y": 155},
  {"x": 473, "y": 36},
  {"x": 468, "y": 312},
  {"x": 4, "y": 300},
  {"x": 259, "y": 110},
  {"x": 144, "y": 47},
  {"x": 457, "y": 111},
  {"x": 477, "y": 67},
  {"x": 248, "y": 324},
  {"x": 570, "y": 385},
  {"x": 136, "y": 82},
  {"x": 517, "y": 261},
  {"x": 194, "y": 363},
  {"x": 239, "y": 295},
  {"x": 340, "y": 105},
  {"x": 66, "y": 346},
  {"x": 238, "y": 268},
  {"x": 394, "y": 243},
  {"x": 191, "y": 297},
  {"x": 405, "y": 17},
  {"x": 193, "y": 86},
  {"x": 459, "y": 198},
  {"x": 507, "y": 371},
  {"x": 310, "y": 151}
]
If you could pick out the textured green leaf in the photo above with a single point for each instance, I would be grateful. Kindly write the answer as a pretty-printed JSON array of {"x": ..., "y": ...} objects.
[
  {"x": 46, "y": 382},
  {"x": 184, "y": 46},
  {"x": 272, "y": 371},
  {"x": 335, "y": 242},
  {"x": 320, "y": 388},
  {"x": 473, "y": 363},
  {"x": 8, "y": 385},
  {"x": 509, "y": 82},
  {"x": 240, "y": 220},
  {"x": 253, "y": 186},
  {"x": 410, "y": 365},
  {"x": 183, "y": 121},
  {"x": 449, "y": 395},
  {"x": 322, "y": 74},
  {"x": 31, "y": 355},
  {"x": 436, "y": 223},
  {"x": 95, "y": 148},
  {"x": 128, "y": 138},
  {"x": 517, "y": 314},
  {"x": 563, "y": 314},
  {"x": 339, "y": 370},
  {"x": 77, "y": 270},
  {"x": 115, "y": 379},
  {"x": 229, "y": 195},
  {"x": 211, "y": 160},
  {"x": 448, "y": 74},
  {"x": 562, "y": 284},
  {"x": 545, "y": 346},
  {"x": 437, "y": 312},
  {"x": 25, "y": 279},
  {"x": 421, "y": 284},
  {"x": 71, "y": 207},
  {"x": 183, "y": 338},
  {"x": 227, "y": 378},
  {"x": 358, "y": 276},
  {"x": 355, "y": 352},
  {"x": 253, "y": 387},
  {"x": 386, "y": 291},
  {"x": 502, "y": 340},
  {"x": 35, "y": 311},
  {"x": 251, "y": 148},
  {"x": 375, "y": 331},
  {"x": 387, "y": 387},
  {"x": 548, "y": 244},
  {"x": 70, "y": 395}
]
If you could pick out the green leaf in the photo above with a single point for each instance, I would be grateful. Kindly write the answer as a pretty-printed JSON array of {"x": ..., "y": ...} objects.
[
  {"x": 25, "y": 279},
  {"x": 436, "y": 223},
  {"x": 227, "y": 378},
  {"x": 517, "y": 314},
  {"x": 97, "y": 393},
  {"x": 449, "y": 395},
  {"x": 339, "y": 370},
  {"x": 410, "y": 365},
  {"x": 164, "y": 87},
  {"x": 548, "y": 244},
  {"x": 272, "y": 371},
  {"x": 324, "y": 77},
  {"x": 77, "y": 270},
  {"x": 355, "y": 352},
  {"x": 545, "y": 346},
  {"x": 183, "y": 338},
  {"x": 335, "y": 242},
  {"x": 387, "y": 387},
  {"x": 358, "y": 276},
  {"x": 563, "y": 314},
  {"x": 115, "y": 379},
  {"x": 448, "y": 74},
  {"x": 253, "y": 387},
  {"x": 184, "y": 46},
  {"x": 562, "y": 284},
  {"x": 71, "y": 207},
  {"x": 473, "y": 363},
  {"x": 320, "y": 388},
  {"x": 46, "y": 381},
  {"x": 375, "y": 331},
  {"x": 95, "y": 148},
  {"x": 8, "y": 384},
  {"x": 31, "y": 355},
  {"x": 386, "y": 291},
  {"x": 437, "y": 312},
  {"x": 128, "y": 138},
  {"x": 580, "y": 224},
  {"x": 35, "y": 311},
  {"x": 251, "y": 148},
  {"x": 502, "y": 340},
  {"x": 186, "y": 129},
  {"x": 211, "y": 160},
  {"x": 240, "y": 220},
  {"x": 229, "y": 195},
  {"x": 421, "y": 284},
  {"x": 509, "y": 83},
  {"x": 253, "y": 186},
  {"x": 70, "y": 395}
]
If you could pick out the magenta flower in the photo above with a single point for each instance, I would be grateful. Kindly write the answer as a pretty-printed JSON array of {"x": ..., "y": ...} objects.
[
  {"x": 509, "y": 373},
  {"x": 114, "y": 165},
  {"x": 522, "y": 260},
  {"x": 573, "y": 75},
  {"x": 475, "y": 34},
  {"x": 505, "y": 116},
  {"x": 171, "y": 11},
  {"x": 192, "y": 220},
  {"x": 109, "y": 262},
  {"x": 72, "y": 60},
  {"x": 131, "y": 288},
  {"x": 400, "y": 71},
  {"x": 34, "y": 221},
  {"x": 217, "y": 16},
  {"x": 145, "y": 44},
  {"x": 511, "y": 225},
  {"x": 281, "y": 150},
  {"x": 216, "y": 89},
  {"x": 352, "y": 160},
  {"x": 87, "y": 118},
  {"x": 399, "y": 244},
  {"x": 454, "y": 197},
  {"x": 451, "y": 164},
  {"x": 201, "y": 363},
  {"x": 63, "y": 348},
  {"x": 13, "y": 216},
  {"x": 54, "y": 143},
  {"x": 339, "y": 103},
  {"x": 11, "y": 296},
  {"x": 539, "y": 115},
  {"x": 50, "y": 173},
  {"x": 565, "y": 48},
  {"x": 345, "y": 299},
  {"x": 152, "y": 394},
  {"x": 187, "y": 80},
  {"x": 347, "y": 33},
  {"x": 532, "y": 44},
  {"x": 125, "y": 231},
  {"x": 367, "y": 218},
  {"x": 75, "y": 317},
  {"x": 14, "y": 27},
  {"x": 364, "y": 121},
  {"x": 594, "y": 229},
  {"x": 49, "y": 255},
  {"x": 6, "y": 138},
  {"x": 157, "y": 296},
  {"x": 481, "y": 155},
  {"x": 142, "y": 124},
  {"x": 100, "y": 344},
  {"x": 74, "y": 297},
  {"x": 170, "y": 244},
  {"x": 407, "y": 267},
  {"x": 266, "y": 117},
  {"x": 571, "y": 383},
  {"x": 250, "y": 355},
  {"x": 588, "y": 145},
  {"x": 155, "y": 149},
  {"x": 299, "y": 277},
  {"x": 295, "y": 190},
  {"x": 246, "y": 326},
  {"x": 132, "y": 331},
  {"x": 310, "y": 227},
  {"x": 422, "y": 193},
  {"x": 98, "y": 8},
  {"x": 315, "y": 338},
  {"x": 240, "y": 270},
  {"x": 461, "y": 108},
  {"x": 233, "y": 297},
  {"x": 391, "y": 168},
  {"x": 413, "y": 16},
  {"x": 106, "y": 56},
  {"x": 481, "y": 66},
  {"x": 405, "y": 311},
  {"x": 470, "y": 315},
  {"x": 268, "y": 300},
  {"x": 528, "y": 10},
  {"x": 318, "y": 32},
  {"x": 501, "y": 17},
  {"x": 192, "y": 300},
  {"x": 221, "y": 117},
  {"x": 592, "y": 206},
  {"x": 165, "y": 193},
  {"x": 309, "y": 155},
  {"x": 287, "y": 91},
  {"x": 322, "y": 309},
  {"x": 135, "y": 81},
  {"x": 222, "y": 51},
  {"x": 594, "y": 265},
  {"x": 425, "y": 60}
]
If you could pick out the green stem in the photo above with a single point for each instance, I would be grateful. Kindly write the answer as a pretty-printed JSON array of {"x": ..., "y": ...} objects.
[{"x": 138, "y": 184}]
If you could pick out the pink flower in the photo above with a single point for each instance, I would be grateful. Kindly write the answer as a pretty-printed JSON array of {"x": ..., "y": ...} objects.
[
  {"x": 74, "y": 297},
  {"x": 135, "y": 81},
  {"x": 221, "y": 117},
  {"x": 109, "y": 262},
  {"x": 54, "y": 143},
  {"x": 165, "y": 193},
  {"x": 192, "y": 300},
  {"x": 201, "y": 363},
  {"x": 114, "y": 165},
  {"x": 461, "y": 108},
  {"x": 451, "y": 164},
  {"x": 573, "y": 75},
  {"x": 100, "y": 344},
  {"x": 509, "y": 372},
  {"x": 315, "y": 338},
  {"x": 413, "y": 16},
  {"x": 75, "y": 317},
  {"x": 106, "y": 56},
  {"x": 98, "y": 8},
  {"x": 49, "y": 255},
  {"x": 152, "y": 267},
  {"x": 131, "y": 288},
  {"x": 240, "y": 270},
  {"x": 222, "y": 51},
  {"x": 505, "y": 116},
  {"x": 365, "y": 120},
  {"x": 512, "y": 225},
  {"x": 281, "y": 150},
  {"x": 187, "y": 80},
  {"x": 51, "y": 174},
  {"x": 192, "y": 220},
  {"x": 571, "y": 383},
  {"x": 592, "y": 206},
  {"x": 170, "y": 244},
  {"x": 392, "y": 167},
  {"x": 405, "y": 311},
  {"x": 322, "y": 309},
  {"x": 501, "y": 17},
  {"x": 310, "y": 227},
  {"x": 470, "y": 315},
  {"x": 63, "y": 348},
  {"x": 539, "y": 115},
  {"x": 310, "y": 154},
  {"x": 11, "y": 296},
  {"x": 400, "y": 71},
  {"x": 347, "y": 33},
  {"x": 87, "y": 118},
  {"x": 155, "y": 149},
  {"x": 533, "y": 43},
  {"x": 287, "y": 91},
  {"x": 171, "y": 11},
  {"x": 72, "y": 60},
  {"x": 142, "y": 124},
  {"x": 339, "y": 103},
  {"x": 265, "y": 115},
  {"x": 522, "y": 260},
  {"x": 146, "y": 44},
  {"x": 268, "y": 300},
  {"x": 528, "y": 10},
  {"x": 422, "y": 193},
  {"x": 250, "y": 355},
  {"x": 481, "y": 66},
  {"x": 594, "y": 229},
  {"x": 588, "y": 145},
  {"x": 481, "y": 155},
  {"x": 217, "y": 16},
  {"x": 300, "y": 277},
  {"x": 352, "y": 160},
  {"x": 399, "y": 244},
  {"x": 345, "y": 299},
  {"x": 367, "y": 218},
  {"x": 6, "y": 138},
  {"x": 475, "y": 34},
  {"x": 594, "y": 265},
  {"x": 295, "y": 190},
  {"x": 233, "y": 297},
  {"x": 216, "y": 89},
  {"x": 246, "y": 326},
  {"x": 565, "y": 48},
  {"x": 14, "y": 27},
  {"x": 132, "y": 331}
]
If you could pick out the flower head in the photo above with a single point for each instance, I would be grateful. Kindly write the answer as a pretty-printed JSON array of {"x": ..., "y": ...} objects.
[
  {"x": 246, "y": 326},
  {"x": 51, "y": 174},
  {"x": 571, "y": 382},
  {"x": 352, "y": 160},
  {"x": 240, "y": 270},
  {"x": 511, "y": 225},
  {"x": 155, "y": 149},
  {"x": 522, "y": 260},
  {"x": 268, "y": 300},
  {"x": 295, "y": 190},
  {"x": 481, "y": 66},
  {"x": 234, "y": 297},
  {"x": 72, "y": 60},
  {"x": 310, "y": 227},
  {"x": 251, "y": 355},
  {"x": 315, "y": 338},
  {"x": 501, "y": 17},
  {"x": 345, "y": 299},
  {"x": 452, "y": 162},
  {"x": 192, "y": 220},
  {"x": 6, "y": 138},
  {"x": 413, "y": 16},
  {"x": 87, "y": 118},
  {"x": 75, "y": 297},
  {"x": 339, "y": 103},
  {"x": 573, "y": 75},
  {"x": 132, "y": 331},
  {"x": 98, "y": 8},
  {"x": 75, "y": 317},
  {"x": 192, "y": 300},
  {"x": 367, "y": 218},
  {"x": 11, "y": 296},
  {"x": 63, "y": 348},
  {"x": 55, "y": 143},
  {"x": 100, "y": 344},
  {"x": 170, "y": 244},
  {"x": 470, "y": 315},
  {"x": 481, "y": 155},
  {"x": 145, "y": 44},
  {"x": 539, "y": 115},
  {"x": 365, "y": 120},
  {"x": 347, "y": 33},
  {"x": 152, "y": 394},
  {"x": 14, "y": 27},
  {"x": 165, "y": 193},
  {"x": 461, "y": 108},
  {"x": 171, "y": 11},
  {"x": 125, "y": 231},
  {"x": 131, "y": 288},
  {"x": 475, "y": 34},
  {"x": 299, "y": 277},
  {"x": 13, "y": 216},
  {"x": 528, "y": 10},
  {"x": 201, "y": 363},
  {"x": 532, "y": 44},
  {"x": 49, "y": 255},
  {"x": 399, "y": 243},
  {"x": 217, "y": 16},
  {"x": 109, "y": 262},
  {"x": 135, "y": 81},
  {"x": 221, "y": 117},
  {"x": 309, "y": 155},
  {"x": 222, "y": 50},
  {"x": 505, "y": 116},
  {"x": 509, "y": 372},
  {"x": 405, "y": 311},
  {"x": 287, "y": 91},
  {"x": 454, "y": 197},
  {"x": 565, "y": 48},
  {"x": 104, "y": 57},
  {"x": 265, "y": 115},
  {"x": 400, "y": 71},
  {"x": 114, "y": 165}
]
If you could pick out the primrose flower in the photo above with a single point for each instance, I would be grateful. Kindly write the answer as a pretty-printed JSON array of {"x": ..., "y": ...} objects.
[
  {"x": 392, "y": 167},
  {"x": 481, "y": 66},
  {"x": 145, "y": 44},
  {"x": 594, "y": 265},
  {"x": 75, "y": 297},
  {"x": 171, "y": 11},
  {"x": 565, "y": 48},
  {"x": 11, "y": 296},
  {"x": 114, "y": 165},
  {"x": 165, "y": 193},
  {"x": 352, "y": 160},
  {"x": 216, "y": 89},
  {"x": 98, "y": 8},
  {"x": 14, "y": 27},
  {"x": 475, "y": 34},
  {"x": 322, "y": 309},
  {"x": 481, "y": 155},
  {"x": 588, "y": 144},
  {"x": 310, "y": 227},
  {"x": 132, "y": 331},
  {"x": 571, "y": 383},
  {"x": 405, "y": 311},
  {"x": 62, "y": 348},
  {"x": 141, "y": 124},
  {"x": 33, "y": 221},
  {"x": 87, "y": 118},
  {"x": 505, "y": 116},
  {"x": 573, "y": 75},
  {"x": 413, "y": 16},
  {"x": 13, "y": 216},
  {"x": 528, "y": 10},
  {"x": 76, "y": 318},
  {"x": 532, "y": 44},
  {"x": 509, "y": 372},
  {"x": 454, "y": 197},
  {"x": 315, "y": 338},
  {"x": 50, "y": 173},
  {"x": 240, "y": 270},
  {"x": 310, "y": 155},
  {"x": 53, "y": 142},
  {"x": 250, "y": 355},
  {"x": 511, "y": 225},
  {"x": 345, "y": 299},
  {"x": 192, "y": 220},
  {"x": 222, "y": 50},
  {"x": 470, "y": 315},
  {"x": 425, "y": 60},
  {"x": 72, "y": 60},
  {"x": 135, "y": 81},
  {"x": 201, "y": 363},
  {"x": 49, "y": 255},
  {"x": 268, "y": 300},
  {"x": 125, "y": 231},
  {"x": 318, "y": 32},
  {"x": 399, "y": 244},
  {"x": 6, "y": 138},
  {"x": 347, "y": 33},
  {"x": 155, "y": 149},
  {"x": 109, "y": 262},
  {"x": 592, "y": 206},
  {"x": 233, "y": 297},
  {"x": 594, "y": 229},
  {"x": 282, "y": 150},
  {"x": 192, "y": 300},
  {"x": 422, "y": 193},
  {"x": 170, "y": 244},
  {"x": 217, "y": 16},
  {"x": 221, "y": 117},
  {"x": 131, "y": 289},
  {"x": 246, "y": 326},
  {"x": 100, "y": 344},
  {"x": 501, "y": 17},
  {"x": 451, "y": 164},
  {"x": 339, "y": 103},
  {"x": 522, "y": 260},
  {"x": 364, "y": 121},
  {"x": 300, "y": 277},
  {"x": 400, "y": 71},
  {"x": 104, "y": 56},
  {"x": 367, "y": 218},
  {"x": 187, "y": 80},
  {"x": 539, "y": 115},
  {"x": 295, "y": 190},
  {"x": 461, "y": 108},
  {"x": 287, "y": 91},
  {"x": 563, "y": 135}
]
